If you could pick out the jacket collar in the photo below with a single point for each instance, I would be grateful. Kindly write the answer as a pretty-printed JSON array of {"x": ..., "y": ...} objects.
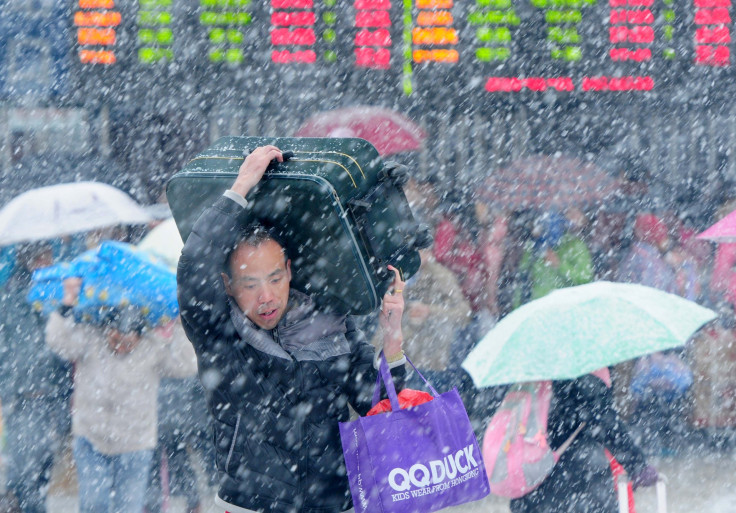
[{"x": 300, "y": 326}]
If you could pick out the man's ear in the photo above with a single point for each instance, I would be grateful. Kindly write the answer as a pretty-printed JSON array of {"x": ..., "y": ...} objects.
[
  {"x": 288, "y": 270},
  {"x": 226, "y": 281}
]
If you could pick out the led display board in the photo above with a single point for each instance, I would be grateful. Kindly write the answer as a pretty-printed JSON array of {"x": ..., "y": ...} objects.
[{"x": 475, "y": 46}]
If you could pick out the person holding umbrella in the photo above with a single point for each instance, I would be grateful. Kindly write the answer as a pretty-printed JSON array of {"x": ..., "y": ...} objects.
[
  {"x": 582, "y": 480},
  {"x": 564, "y": 337},
  {"x": 35, "y": 384}
]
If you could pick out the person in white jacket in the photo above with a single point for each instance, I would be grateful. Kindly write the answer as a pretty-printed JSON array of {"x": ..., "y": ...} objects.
[{"x": 118, "y": 366}]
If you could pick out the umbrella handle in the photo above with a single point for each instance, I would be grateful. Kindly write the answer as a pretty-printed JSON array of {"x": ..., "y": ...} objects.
[
  {"x": 623, "y": 496},
  {"x": 662, "y": 494}
]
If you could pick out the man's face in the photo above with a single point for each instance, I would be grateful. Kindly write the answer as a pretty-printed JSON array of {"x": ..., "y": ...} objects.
[
  {"x": 259, "y": 282},
  {"x": 122, "y": 343},
  {"x": 576, "y": 220}
]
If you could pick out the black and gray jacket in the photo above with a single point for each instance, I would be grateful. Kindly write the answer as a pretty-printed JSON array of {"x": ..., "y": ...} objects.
[{"x": 276, "y": 396}]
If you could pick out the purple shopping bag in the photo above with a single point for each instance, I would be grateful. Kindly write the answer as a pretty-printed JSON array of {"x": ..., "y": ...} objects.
[{"x": 416, "y": 460}]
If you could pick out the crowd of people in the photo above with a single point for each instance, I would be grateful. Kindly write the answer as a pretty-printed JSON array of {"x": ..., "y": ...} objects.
[
  {"x": 498, "y": 259},
  {"x": 139, "y": 412}
]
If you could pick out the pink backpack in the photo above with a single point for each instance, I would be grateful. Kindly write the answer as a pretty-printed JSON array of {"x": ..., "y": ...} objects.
[{"x": 515, "y": 449}]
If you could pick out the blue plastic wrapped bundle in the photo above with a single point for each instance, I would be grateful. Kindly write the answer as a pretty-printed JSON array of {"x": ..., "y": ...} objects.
[
  {"x": 125, "y": 276},
  {"x": 47, "y": 290},
  {"x": 115, "y": 275}
]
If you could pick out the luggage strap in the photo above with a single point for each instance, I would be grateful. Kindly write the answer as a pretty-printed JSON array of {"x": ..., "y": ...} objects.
[{"x": 204, "y": 157}]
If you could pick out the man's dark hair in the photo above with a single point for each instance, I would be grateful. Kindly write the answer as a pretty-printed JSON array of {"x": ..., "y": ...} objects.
[
  {"x": 255, "y": 234},
  {"x": 28, "y": 250},
  {"x": 126, "y": 319}
]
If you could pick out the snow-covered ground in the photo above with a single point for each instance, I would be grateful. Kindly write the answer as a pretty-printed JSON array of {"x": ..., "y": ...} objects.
[
  {"x": 698, "y": 483},
  {"x": 701, "y": 481}
]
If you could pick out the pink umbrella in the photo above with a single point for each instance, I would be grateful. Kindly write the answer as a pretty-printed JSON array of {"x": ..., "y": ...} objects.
[
  {"x": 723, "y": 231},
  {"x": 387, "y": 130}
]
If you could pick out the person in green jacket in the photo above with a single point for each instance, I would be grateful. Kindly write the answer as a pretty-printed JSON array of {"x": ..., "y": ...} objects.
[{"x": 555, "y": 257}]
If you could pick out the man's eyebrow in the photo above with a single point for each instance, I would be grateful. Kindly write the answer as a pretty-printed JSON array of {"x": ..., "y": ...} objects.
[
  {"x": 253, "y": 278},
  {"x": 247, "y": 278}
]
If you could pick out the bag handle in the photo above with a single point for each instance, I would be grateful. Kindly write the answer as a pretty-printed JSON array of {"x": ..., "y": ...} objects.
[
  {"x": 429, "y": 385},
  {"x": 384, "y": 374}
]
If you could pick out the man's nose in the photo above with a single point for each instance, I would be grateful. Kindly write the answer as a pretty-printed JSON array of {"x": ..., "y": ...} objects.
[{"x": 266, "y": 294}]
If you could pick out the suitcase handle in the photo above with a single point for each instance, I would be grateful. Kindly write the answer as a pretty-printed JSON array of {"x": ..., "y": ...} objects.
[
  {"x": 422, "y": 234},
  {"x": 285, "y": 154},
  {"x": 423, "y": 238},
  {"x": 397, "y": 173}
]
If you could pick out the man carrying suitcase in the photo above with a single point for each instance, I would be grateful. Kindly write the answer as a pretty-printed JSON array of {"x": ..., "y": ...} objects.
[{"x": 279, "y": 374}]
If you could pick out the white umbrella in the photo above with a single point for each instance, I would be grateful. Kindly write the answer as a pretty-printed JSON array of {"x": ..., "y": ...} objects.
[
  {"x": 164, "y": 242},
  {"x": 63, "y": 209}
]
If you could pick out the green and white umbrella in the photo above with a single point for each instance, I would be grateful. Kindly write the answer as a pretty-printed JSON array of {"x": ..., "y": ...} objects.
[{"x": 576, "y": 330}]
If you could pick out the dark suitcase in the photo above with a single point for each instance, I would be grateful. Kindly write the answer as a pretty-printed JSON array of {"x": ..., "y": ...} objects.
[{"x": 339, "y": 209}]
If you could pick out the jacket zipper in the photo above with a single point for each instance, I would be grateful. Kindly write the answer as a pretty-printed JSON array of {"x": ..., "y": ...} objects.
[
  {"x": 299, "y": 385},
  {"x": 302, "y": 461},
  {"x": 232, "y": 444}
]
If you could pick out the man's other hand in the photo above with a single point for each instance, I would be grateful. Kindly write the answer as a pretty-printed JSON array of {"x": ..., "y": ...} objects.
[
  {"x": 252, "y": 169},
  {"x": 648, "y": 476},
  {"x": 390, "y": 318},
  {"x": 72, "y": 288}
]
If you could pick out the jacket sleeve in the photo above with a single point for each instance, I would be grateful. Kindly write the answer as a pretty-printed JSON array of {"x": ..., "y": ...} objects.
[
  {"x": 201, "y": 292},
  {"x": 178, "y": 358},
  {"x": 576, "y": 265},
  {"x": 604, "y": 424},
  {"x": 361, "y": 379},
  {"x": 66, "y": 338}
]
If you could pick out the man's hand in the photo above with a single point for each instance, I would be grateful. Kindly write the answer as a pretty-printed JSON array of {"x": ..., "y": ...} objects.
[
  {"x": 647, "y": 476},
  {"x": 72, "y": 288},
  {"x": 252, "y": 169},
  {"x": 390, "y": 317}
]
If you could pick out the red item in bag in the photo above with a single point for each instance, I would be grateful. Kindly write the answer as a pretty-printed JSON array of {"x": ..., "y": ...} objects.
[{"x": 407, "y": 399}]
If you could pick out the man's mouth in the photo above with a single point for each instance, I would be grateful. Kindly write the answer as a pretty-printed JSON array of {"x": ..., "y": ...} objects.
[{"x": 268, "y": 314}]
